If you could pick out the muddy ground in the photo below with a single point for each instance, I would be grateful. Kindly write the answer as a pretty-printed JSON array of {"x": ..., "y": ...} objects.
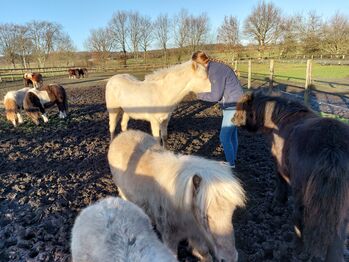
[{"x": 50, "y": 172}]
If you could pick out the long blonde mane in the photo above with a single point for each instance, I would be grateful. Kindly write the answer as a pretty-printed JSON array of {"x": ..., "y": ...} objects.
[
  {"x": 218, "y": 185},
  {"x": 162, "y": 73}
]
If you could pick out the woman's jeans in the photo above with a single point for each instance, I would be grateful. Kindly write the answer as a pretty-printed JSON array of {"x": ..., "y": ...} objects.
[{"x": 229, "y": 135}]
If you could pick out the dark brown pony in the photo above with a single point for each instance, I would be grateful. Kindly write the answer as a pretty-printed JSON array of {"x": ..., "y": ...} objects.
[
  {"x": 312, "y": 155},
  {"x": 34, "y": 79},
  {"x": 35, "y": 102},
  {"x": 82, "y": 72}
]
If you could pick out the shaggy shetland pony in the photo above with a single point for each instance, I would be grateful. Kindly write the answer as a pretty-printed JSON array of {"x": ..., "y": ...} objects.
[
  {"x": 155, "y": 98},
  {"x": 34, "y": 79},
  {"x": 312, "y": 155},
  {"x": 185, "y": 196},
  {"x": 36, "y": 101},
  {"x": 13, "y": 103},
  {"x": 116, "y": 230}
]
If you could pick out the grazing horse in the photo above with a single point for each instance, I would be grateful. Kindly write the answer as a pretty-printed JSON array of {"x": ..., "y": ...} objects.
[
  {"x": 312, "y": 155},
  {"x": 36, "y": 101},
  {"x": 73, "y": 73},
  {"x": 116, "y": 230},
  {"x": 13, "y": 103},
  {"x": 82, "y": 72},
  {"x": 185, "y": 196},
  {"x": 34, "y": 79},
  {"x": 155, "y": 98}
]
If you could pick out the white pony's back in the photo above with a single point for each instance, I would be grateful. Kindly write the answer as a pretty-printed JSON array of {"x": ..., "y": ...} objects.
[{"x": 116, "y": 230}]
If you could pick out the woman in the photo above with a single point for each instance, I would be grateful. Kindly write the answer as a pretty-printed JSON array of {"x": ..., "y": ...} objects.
[{"x": 226, "y": 90}]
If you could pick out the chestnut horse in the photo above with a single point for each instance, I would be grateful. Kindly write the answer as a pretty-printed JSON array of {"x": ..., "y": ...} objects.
[
  {"x": 36, "y": 101},
  {"x": 312, "y": 155},
  {"x": 73, "y": 73},
  {"x": 34, "y": 79}
]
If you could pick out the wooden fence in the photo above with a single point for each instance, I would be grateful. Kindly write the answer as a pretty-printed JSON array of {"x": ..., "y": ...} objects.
[
  {"x": 308, "y": 79},
  {"x": 10, "y": 75}
]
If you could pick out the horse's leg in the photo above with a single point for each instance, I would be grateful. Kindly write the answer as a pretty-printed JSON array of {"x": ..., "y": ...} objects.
[
  {"x": 155, "y": 129},
  {"x": 298, "y": 211},
  {"x": 20, "y": 119},
  {"x": 114, "y": 116},
  {"x": 61, "y": 108},
  {"x": 124, "y": 121},
  {"x": 163, "y": 132},
  {"x": 280, "y": 193},
  {"x": 200, "y": 249}
]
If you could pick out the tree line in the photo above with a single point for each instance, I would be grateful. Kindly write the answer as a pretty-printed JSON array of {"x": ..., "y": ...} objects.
[
  {"x": 34, "y": 41},
  {"x": 265, "y": 26},
  {"x": 131, "y": 33}
]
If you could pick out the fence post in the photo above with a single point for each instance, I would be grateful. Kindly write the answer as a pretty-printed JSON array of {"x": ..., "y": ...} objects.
[
  {"x": 249, "y": 74},
  {"x": 271, "y": 71},
  {"x": 307, "y": 81}
]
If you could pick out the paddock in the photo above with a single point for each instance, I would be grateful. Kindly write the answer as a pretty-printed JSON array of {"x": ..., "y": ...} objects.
[{"x": 50, "y": 172}]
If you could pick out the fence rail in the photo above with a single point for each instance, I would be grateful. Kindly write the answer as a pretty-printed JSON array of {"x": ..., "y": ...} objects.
[{"x": 15, "y": 74}]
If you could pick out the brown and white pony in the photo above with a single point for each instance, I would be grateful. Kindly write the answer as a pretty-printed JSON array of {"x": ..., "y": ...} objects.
[
  {"x": 187, "y": 197},
  {"x": 312, "y": 156},
  {"x": 73, "y": 73},
  {"x": 34, "y": 79},
  {"x": 13, "y": 103},
  {"x": 36, "y": 101}
]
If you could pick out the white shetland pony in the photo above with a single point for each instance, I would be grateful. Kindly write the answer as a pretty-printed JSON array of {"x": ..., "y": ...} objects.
[
  {"x": 116, "y": 230},
  {"x": 155, "y": 98},
  {"x": 13, "y": 103},
  {"x": 185, "y": 196}
]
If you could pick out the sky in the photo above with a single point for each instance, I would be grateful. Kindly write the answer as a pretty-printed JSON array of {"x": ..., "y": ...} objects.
[{"x": 78, "y": 17}]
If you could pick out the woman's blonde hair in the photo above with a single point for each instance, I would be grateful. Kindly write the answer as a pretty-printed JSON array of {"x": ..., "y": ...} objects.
[{"x": 201, "y": 58}]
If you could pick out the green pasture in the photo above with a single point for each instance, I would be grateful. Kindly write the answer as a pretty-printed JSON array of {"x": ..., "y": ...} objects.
[{"x": 296, "y": 71}]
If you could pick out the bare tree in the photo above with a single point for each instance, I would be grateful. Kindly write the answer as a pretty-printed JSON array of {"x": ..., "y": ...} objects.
[
  {"x": 162, "y": 32},
  {"x": 44, "y": 36},
  {"x": 135, "y": 31},
  {"x": 309, "y": 29},
  {"x": 65, "y": 50},
  {"x": 336, "y": 35},
  {"x": 181, "y": 26},
  {"x": 198, "y": 30},
  {"x": 263, "y": 24},
  {"x": 101, "y": 43},
  {"x": 228, "y": 32},
  {"x": 8, "y": 41},
  {"x": 288, "y": 37},
  {"x": 120, "y": 31},
  {"x": 146, "y": 37}
]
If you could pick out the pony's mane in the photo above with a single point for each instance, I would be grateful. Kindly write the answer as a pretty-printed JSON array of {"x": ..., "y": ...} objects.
[
  {"x": 163, "y": 72},
  {"x": 217, "y": 185},
  {"x": 282, "y": 107}
]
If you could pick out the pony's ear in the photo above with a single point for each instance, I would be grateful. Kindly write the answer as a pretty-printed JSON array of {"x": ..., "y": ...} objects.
[
  {"x": 194, "y": 65},
  {"x": 196, "y": 182}
]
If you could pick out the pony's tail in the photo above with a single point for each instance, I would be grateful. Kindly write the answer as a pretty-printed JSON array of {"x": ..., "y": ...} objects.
[
  {"x": 326, "y": 199},
  {"x": 11, "y": 109}
]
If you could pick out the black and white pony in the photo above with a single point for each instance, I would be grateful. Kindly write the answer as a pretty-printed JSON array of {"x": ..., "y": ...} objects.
[{"x": 36, "y": 101}]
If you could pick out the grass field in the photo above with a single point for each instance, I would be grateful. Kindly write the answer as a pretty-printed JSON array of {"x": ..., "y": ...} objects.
[{"x": 296, "y": 71}]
